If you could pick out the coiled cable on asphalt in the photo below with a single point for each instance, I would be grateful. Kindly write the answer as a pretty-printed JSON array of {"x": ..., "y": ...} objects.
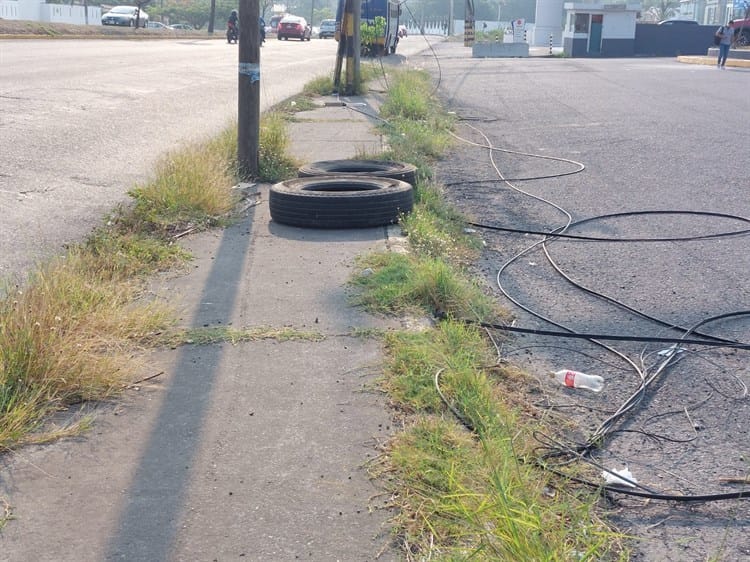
[{"x": 646, "y": 374}]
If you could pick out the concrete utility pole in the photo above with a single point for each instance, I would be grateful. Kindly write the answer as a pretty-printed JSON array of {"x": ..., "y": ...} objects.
[
  {"x": 248, "y": 110},
  {"x": 211, "y": 17}
]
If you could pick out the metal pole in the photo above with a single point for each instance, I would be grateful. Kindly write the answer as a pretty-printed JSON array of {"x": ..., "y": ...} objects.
[{"x": 248, "y": 94}]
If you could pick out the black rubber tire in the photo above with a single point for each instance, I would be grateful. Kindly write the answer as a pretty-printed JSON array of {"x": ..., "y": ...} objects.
[
  {"x": 340, "y": 201},
  {"x": 378, "y": 168}
]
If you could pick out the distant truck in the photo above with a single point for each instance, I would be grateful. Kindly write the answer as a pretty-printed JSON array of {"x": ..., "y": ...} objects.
[
  {"x": 388, "y": 10},
  {"x": 391, "y": 11}
]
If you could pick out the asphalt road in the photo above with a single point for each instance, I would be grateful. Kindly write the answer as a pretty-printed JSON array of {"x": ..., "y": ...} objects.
[
  {"x": 662, "y": 142},
  {"x": 83, "y": 121}
]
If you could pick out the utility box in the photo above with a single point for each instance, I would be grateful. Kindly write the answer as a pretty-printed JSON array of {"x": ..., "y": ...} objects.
[{"x": 599, "y": 30}]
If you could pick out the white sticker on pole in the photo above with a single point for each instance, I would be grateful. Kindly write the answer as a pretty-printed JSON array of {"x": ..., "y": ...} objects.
[{"x": 251, "y": 69}]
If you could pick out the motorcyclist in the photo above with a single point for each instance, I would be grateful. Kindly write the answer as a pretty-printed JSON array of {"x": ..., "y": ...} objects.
[
  {"x": 233, "y": 27},
  {"x": 234, "y": 20}
]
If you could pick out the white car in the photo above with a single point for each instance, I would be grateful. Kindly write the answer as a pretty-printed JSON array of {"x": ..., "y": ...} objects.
[{"x": 125, "y": 15}]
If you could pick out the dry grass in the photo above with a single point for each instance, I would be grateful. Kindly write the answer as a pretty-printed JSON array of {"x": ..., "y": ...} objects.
[{"x": 68, "y": 335}]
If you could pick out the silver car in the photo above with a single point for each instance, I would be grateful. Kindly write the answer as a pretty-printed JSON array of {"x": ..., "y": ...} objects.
[
  {"x": 327, "y": 29},
  {"x": 125, "y": 15}
]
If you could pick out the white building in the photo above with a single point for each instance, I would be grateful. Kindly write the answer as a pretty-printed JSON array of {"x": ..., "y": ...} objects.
[
  {"x": 593, "y": 29},
  {"x": 37, "y": 10}
]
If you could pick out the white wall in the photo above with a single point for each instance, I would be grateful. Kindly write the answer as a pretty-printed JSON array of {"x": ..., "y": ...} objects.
[
  {"x": 548, "y": 18},
  {"x": 618, "y": 25},
  {"x": 9, "y": 10},
  {"x": 37, "y": 10},
  {"x": 21, "y": 9}
]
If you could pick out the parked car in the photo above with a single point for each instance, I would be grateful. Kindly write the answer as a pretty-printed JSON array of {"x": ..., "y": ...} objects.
[
  {"x": 125, "y": 15},
  {"x": 294, "y": 26},
  {"x": 158, "y": 25},
  {"x": 182, "y": 27},
  {"x": 327, "y": 29},
  {"x": 677, "y": 21}
]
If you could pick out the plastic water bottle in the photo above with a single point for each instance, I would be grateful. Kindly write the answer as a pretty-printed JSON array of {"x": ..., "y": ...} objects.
[{"x": 574, "y": 379}]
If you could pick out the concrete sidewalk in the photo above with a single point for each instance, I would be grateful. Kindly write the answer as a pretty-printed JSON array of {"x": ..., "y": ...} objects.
[
  {"x": 253, "y": 451},
  {"x": 710, "y": 60}
]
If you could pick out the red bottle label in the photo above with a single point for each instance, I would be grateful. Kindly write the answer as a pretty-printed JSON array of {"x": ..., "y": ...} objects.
[{"x": 570, "y": 379}]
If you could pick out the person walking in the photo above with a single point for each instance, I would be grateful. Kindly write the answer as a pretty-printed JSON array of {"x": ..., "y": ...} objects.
[{"x": 726, "y": 35}]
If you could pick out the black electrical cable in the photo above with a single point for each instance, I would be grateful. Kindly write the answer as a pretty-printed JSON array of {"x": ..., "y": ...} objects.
[
  {"x": 649, "y": 495},
  {"x": 605, "y": 428},
  {"x": 713, "y": 342},
  {"x": 597, "y": 294},
  {"x": 554, "y": 234},
  {"x": 629, "y": 491}
]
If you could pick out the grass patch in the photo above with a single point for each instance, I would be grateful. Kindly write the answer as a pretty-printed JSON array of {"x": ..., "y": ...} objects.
[
  {"x": 492, "y": 35},
  {"x": 190, "y": 189},
  {"x": 274, "y": 163},
  {"x": 476, "y": 493},
  {"x": 400, "y": 283},
  {"x": 70, "y": 335},
  {"x": 319, "y": 86},
  {"x": 417, "y": 126},
  {"x": 436, "y": 229},
  {"x": 462, "y": 473},
  {"x": 223, "y": 334}
]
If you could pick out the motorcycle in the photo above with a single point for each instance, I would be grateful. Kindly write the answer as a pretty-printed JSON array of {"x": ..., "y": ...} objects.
[{"x": 232, "y": 32}]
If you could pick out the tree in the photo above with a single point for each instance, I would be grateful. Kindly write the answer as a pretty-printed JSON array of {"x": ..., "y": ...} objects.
[{"x": 662, "y": 9}]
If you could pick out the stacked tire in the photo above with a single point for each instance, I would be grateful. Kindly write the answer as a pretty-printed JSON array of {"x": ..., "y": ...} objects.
[{"x": 344, "y": 194}]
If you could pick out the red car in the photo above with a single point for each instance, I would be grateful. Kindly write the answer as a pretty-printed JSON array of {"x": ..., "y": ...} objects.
[{"x": 294, "y": 26}]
